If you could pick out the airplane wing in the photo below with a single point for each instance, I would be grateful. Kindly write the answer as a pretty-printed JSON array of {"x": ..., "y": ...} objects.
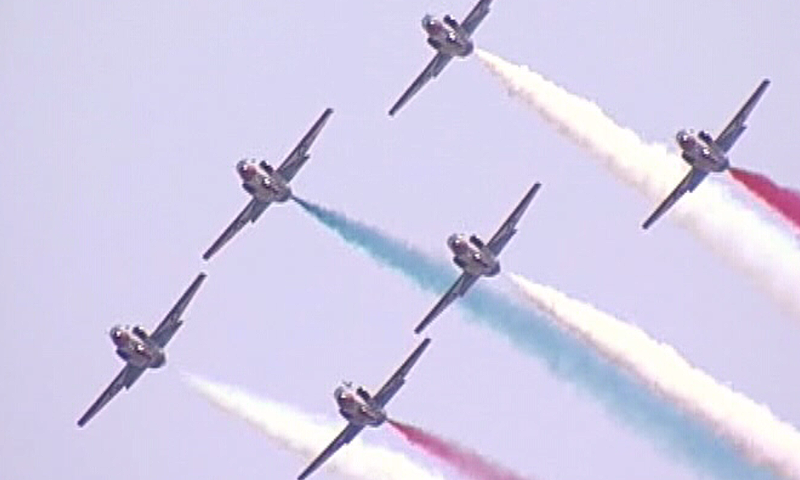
[
  {"x": 458, "y": 289},
  {"x": 348, "y": 434},
  {"x": 689, "y": 183},
  {"x": 431, "y": 71},
  {"x": 251, "y": 212},
  {"x": 476, "y": 16},
  {"x": 297, "y": 158},
  {"x": 509, "y": 227},
  {"x": 398, "y": 379},
  {"x": 125, "y": 378},
  {"x": 167, "y": 328},
  {"x": 728, "y": 137}
]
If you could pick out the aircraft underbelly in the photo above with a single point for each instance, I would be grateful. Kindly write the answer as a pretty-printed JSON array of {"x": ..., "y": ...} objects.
[
  {"x": 698, "y": 160},
  {"x": 372, "y": 419},
  {"x": 455, "y": 49},
  {"x": 475, "y": 267},
  {"x": 133, "y": 358},
  {"x": 277, "y": 193}
]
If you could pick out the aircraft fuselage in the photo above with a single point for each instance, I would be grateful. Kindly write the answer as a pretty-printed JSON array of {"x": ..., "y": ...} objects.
[
  {"x": 447, "y": 36},
  {"x": 357, "y": 409},
  {"x": 263, "y": 182},
  {"x": 473, "y": 256},
  {"x": 133, "y": 346},
  {"x": 700, "y": 151}
]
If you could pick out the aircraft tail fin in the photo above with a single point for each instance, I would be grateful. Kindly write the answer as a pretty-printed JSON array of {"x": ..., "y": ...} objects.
[
  {"x": 267, "y": 167},
  {"x": 140, "y": 332},
  {"x": 477, "y": 241},
  {"x": 364, "y": 394}
]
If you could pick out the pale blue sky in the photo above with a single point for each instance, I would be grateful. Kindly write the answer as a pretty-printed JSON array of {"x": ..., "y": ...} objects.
[{"x": 119, "y": 130}]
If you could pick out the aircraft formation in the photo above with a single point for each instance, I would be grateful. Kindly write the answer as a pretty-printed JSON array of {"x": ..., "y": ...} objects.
[{"x": 142, "y": 350}]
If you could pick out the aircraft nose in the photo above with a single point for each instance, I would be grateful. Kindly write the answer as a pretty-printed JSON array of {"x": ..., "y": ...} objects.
[
  {"x": 116, "y": 334},
  {"x": 682, "y": 137},
  {"x": 455, "y": 242},
  {"x": 430, "y": 24},
  {"x": 245, "y": 169},
  {"x": 340, "y": 393}
]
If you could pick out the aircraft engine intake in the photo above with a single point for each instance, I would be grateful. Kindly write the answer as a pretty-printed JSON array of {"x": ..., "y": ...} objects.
[{"x": 267, "y": 167}]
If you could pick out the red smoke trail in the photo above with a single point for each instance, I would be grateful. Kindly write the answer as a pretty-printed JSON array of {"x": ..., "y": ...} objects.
[
  {"x": 465, "y": 461},
  {"x": 785, "y": 200}
]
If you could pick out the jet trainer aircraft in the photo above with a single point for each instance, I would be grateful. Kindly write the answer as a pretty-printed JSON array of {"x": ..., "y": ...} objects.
[
  {"x": 476, "y": 258},
  {"x": 706, "y": 154},
  {"x": 267, "y": 184},
  {"x": 450, "y": 39},
  {"x": 142, "y": 350},
  {"x": 361, "y": 409}
]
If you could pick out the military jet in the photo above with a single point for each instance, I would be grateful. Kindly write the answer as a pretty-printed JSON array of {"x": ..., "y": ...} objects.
[
  {"x": 266, "y": 184},
  {"x": 450, "y": 39},
  {"x": 142, "y": 350},
  {"x": 361, "y": 409},
  {"x": 706, "y": 154},
  {"x": 476, "y": 258}
]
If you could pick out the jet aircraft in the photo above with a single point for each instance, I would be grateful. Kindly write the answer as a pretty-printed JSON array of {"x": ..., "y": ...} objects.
[
  {"x": 361, "y": 409},
  {"x": 142, "y": 350},
  {"x": 706, "y": 154},
  {"x": 476, "y": 258},
  {"x": 266, "y": 184},
  {"x": 450, "y": 39}
]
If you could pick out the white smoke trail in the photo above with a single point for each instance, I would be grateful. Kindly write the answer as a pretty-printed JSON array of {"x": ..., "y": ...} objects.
[
  {"x": 296, "y": 431},
  {"x": 752, "y": 428},
  {"x": 768, "y": 254}
]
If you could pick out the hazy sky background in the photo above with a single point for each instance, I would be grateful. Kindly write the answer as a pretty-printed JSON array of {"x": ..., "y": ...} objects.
[{"x": 120, "y": 126}]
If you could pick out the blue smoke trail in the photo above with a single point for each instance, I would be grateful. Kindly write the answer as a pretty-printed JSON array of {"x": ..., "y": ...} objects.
[{"x": 564, "y": 355}]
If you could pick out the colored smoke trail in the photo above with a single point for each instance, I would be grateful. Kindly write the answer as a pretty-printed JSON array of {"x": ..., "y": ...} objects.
[
  {"x": 763, "y": 251},
  {"x": 469, "y": 463},
  {"x": 752, "y": 427},
  {"x": 300, "y": 433},
  {"x": 565, "y": 356},
  {"x": 784, "y": 200}
]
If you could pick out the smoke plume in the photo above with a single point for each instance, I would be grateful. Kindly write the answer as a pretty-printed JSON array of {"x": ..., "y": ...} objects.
[
  {"x": 784, "y": 200},
  {"x": 767, "y": 254},
  {"x": 468, "y": 462},
  {"x": 564, "y": 355},
  {"x": 298, "y": 432},
  {"x": 751, "y": 427}
]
